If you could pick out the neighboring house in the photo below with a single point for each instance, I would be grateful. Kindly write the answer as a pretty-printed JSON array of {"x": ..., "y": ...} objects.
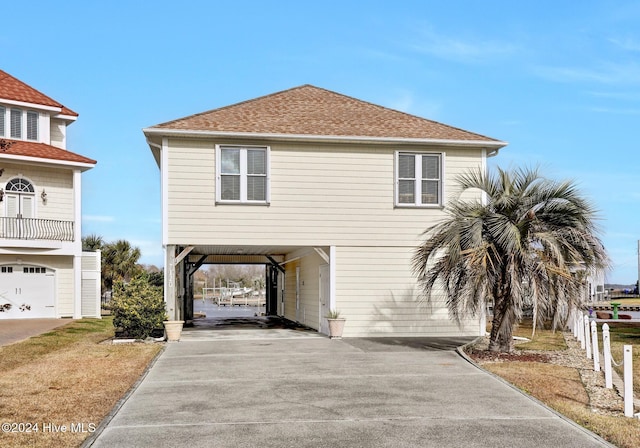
[
  {"x": 331, "y": 192},
  {"x": 43, "y": 271}
]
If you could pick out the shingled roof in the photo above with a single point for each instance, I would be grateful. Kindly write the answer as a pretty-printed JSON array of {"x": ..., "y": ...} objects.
[
  {"x": 40, "y": 151},
  {"x": 312, "y": 111},
  {"x": 13, "y": 89}
]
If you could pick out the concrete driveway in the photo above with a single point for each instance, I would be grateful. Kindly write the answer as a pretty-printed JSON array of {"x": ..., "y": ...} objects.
[
  {"x": 298, "y": 391},
  {"x": 16, "y": 330}
]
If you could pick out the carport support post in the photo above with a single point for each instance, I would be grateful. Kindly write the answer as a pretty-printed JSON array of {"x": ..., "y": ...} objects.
[
  {"x": 190, "y": 269},
  {"x": 170, "y": 296},
  {"x": 272, "y": 269}
]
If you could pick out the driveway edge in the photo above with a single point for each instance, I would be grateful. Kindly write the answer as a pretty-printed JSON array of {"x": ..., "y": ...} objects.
[
  {"x": 89, "y": 441},
  {"x": 463, "y": 355}
]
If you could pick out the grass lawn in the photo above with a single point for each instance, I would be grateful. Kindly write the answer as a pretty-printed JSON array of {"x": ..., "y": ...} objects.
[
  {"x": 622, "y": 335},
  {"x": 561, "y": 388},
  {"x": 66, "y": 377}
]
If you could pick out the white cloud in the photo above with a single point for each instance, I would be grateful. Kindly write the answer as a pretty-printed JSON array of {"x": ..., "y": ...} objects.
[
  {"x": 98, "y": 218},
  {"x": 625, "y": 96},
  {"x": 403, "y": 101},
  {"x": 460, "y": 50},
  {"x": 608, "y": 73},
  {"x": 609, "y": 110},
  {"x": 626, "y": 43}
]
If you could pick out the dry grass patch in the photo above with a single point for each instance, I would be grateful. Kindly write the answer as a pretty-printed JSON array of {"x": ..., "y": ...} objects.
[
  {"x": 549, "y": 383},
  {"x": 622, "y": 335},
  {"x": 561, "y": 388},
  {"x": 557, "y": 375},
  {"x": 66, "y": 377},
  {"x": 544, "y": 339}
]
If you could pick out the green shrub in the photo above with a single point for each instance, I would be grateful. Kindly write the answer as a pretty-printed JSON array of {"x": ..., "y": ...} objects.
[{"x": 138, "y": 307}]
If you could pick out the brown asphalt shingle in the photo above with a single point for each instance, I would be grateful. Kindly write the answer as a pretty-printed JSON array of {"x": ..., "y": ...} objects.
[
  {"x": 41, "y": 151},
  {"x": 13, "y": 89},
  {"x": 312, "y": 111}
]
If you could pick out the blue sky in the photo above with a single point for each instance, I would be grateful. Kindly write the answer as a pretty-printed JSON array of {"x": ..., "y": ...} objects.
[{"x": 559, "y": 81}]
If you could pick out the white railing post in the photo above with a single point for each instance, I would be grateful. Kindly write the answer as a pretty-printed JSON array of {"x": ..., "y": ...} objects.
[
  {"x": 587, "y": 336},
  {"x": 574, "y": 318},
  {"x": 628, "y": 381},
  {"x": 596, "y": 349},
  {"x": 606, "y": 347},
  {"x": 581, "y": 331}
]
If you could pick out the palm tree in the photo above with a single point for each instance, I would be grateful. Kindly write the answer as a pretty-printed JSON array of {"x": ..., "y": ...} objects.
[
  {"x": 119, "y": 262},
  {"x": 522, "y": 245},
  {"x": 92, "y": 242}
]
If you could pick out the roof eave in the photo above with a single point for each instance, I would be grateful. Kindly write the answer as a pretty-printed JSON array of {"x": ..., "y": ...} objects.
[
  {"x": 66, "y": 117},
  {"x": 31, "y": 105},
  {"x": 42, "y": 161},
  {"x": 494, "y": 144}
]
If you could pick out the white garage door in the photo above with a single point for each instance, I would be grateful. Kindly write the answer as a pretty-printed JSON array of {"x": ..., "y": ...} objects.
[{"x": 26, "y": 292}]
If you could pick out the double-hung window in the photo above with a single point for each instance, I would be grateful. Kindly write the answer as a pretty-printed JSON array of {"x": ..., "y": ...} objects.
[
  {"x": 3, "y": 111},
  {"x": 242, "y": 174},
  {"x": 19, "y": 123},
  {"x": 418, "y": 179},
  {"x": 32, "y": 125},
  {"x": 16, "y": 123}
]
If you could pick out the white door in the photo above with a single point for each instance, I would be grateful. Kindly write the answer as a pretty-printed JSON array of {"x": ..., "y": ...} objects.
[
  {"x": 325, "y": 306},
  {"x": 26, "y": 292},
  {"x": 19, "y": 206}
]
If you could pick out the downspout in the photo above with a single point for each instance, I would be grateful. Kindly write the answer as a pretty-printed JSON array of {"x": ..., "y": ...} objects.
[{"x": 77, "y": 248}]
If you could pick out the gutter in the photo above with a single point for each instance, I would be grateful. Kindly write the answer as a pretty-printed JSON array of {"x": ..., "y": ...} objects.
[{"x": 495, "y": 145}]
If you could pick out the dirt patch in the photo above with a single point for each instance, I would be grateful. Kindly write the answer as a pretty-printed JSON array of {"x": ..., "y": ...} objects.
[{"x": 484, "y": 356}]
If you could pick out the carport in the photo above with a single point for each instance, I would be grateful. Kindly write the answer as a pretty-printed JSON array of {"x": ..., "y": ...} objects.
[{"x": 287, "y": 294}]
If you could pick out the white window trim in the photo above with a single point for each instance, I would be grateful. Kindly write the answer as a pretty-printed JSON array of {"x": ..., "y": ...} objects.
[
  {"x": 418, "y": 180},
  {"x": 23, "y": 123},
  {"x": 243, "y": 175}
]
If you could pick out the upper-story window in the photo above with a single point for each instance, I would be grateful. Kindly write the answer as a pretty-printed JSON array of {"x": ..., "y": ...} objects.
[
  {"x": 418, "y": 179},
  {"x": 32, "y": 125},
  {"x": 18, "y": 123},
  {"x": 242, "y": 174}
]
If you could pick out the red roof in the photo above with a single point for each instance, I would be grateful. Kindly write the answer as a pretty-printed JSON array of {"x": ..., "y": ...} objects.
[
  {"x": 41, "y": 151},
  {"x": 15, "y": 90},
  {"x": 312, "y": 111}
]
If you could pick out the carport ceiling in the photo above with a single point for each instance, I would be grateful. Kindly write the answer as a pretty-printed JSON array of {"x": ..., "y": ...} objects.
[{"x": 244, "y": 250}]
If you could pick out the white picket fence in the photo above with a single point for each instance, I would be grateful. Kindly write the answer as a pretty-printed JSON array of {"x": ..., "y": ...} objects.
[{"x": 586, "y": 331}]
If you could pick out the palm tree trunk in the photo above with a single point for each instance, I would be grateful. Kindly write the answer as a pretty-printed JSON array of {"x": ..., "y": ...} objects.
[{"x": 501, "y": 337}]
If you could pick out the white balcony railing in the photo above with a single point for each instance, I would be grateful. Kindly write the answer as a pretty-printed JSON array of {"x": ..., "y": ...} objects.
[{"x": 36, "y": 229}]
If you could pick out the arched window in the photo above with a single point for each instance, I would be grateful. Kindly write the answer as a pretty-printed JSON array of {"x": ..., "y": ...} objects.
[
  {"x": 21, "y": 197},
  {"x": 20, "y": 185}
]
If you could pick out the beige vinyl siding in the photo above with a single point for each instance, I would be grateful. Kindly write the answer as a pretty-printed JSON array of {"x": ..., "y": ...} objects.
[
  {"x": 320, "y": 195},
  {"x": 58, "y": 133},
  {"x": 378, "y": 296},
  {"x": 58, "y": 184}
]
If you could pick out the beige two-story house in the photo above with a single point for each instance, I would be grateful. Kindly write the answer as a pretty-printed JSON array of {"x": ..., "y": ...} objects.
[
  {"x": 330, "y": 192},
  {"x": 43, "y": 271}
]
